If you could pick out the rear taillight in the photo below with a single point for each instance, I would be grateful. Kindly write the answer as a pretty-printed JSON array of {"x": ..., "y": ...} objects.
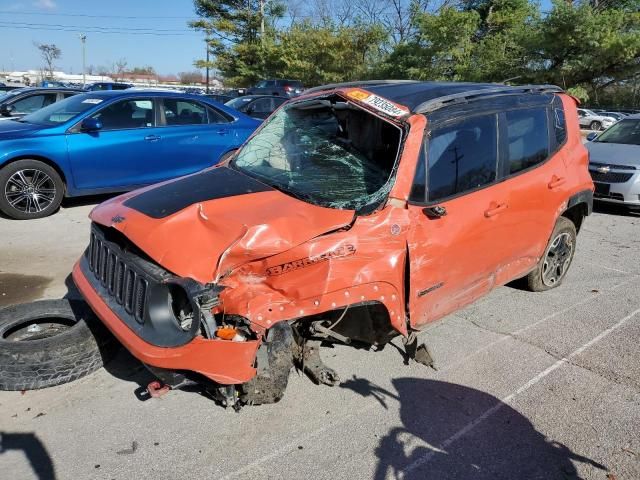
[{"x": 288, "y": 89}]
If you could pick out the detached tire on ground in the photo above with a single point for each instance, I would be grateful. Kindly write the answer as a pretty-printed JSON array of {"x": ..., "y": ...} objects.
[{"x": 49, "y": 343}]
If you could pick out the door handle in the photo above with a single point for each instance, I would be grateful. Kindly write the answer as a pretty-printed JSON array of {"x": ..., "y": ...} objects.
[
  {"x": 495, "y": 209},
  {"x": 556, "y": 182},
  {"x": 222, "y": 131},
  {"x": 152, "y": 138}
]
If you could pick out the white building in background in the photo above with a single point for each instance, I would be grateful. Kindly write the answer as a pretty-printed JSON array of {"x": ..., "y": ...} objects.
[{"x": 33, "y": 77}]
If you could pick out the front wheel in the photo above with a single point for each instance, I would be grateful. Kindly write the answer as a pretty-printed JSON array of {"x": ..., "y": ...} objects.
[
  {"x": 29, "y": 189},
  {"x": 595, "y": 125},
  {"x": 555, "y": 262}
]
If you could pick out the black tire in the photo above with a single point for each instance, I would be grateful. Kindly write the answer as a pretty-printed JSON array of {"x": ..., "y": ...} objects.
[
  {"x": 70, "y": 343},
  {"x": 26, "y": 201},
  {"x": 269, "y": 385},
  {"x": 543, "y": 278},
  {"x": 595, "y": 125}
]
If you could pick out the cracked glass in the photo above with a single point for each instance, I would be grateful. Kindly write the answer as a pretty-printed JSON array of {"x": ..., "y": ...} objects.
[{"x": 326, "y": 151}]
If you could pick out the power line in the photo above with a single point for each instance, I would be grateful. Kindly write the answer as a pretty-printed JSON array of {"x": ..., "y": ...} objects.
[
  {"x": 97, "y": 27},
  {"x": 128, "y": 17},
  {"x": 10, "y": 12},
  {"x": 89, "y": 30}
]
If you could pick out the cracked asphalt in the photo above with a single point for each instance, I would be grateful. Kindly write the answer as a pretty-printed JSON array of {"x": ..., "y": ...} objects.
[{"x": 527, "y": 386}]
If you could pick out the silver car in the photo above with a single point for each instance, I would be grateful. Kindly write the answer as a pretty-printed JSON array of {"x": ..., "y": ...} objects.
[
  {"x": 614, "y": 162},
  {"x": 594, "y": 121}
]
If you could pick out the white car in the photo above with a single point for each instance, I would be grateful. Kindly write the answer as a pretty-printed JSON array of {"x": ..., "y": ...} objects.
[{"x": 593, "y": 121}]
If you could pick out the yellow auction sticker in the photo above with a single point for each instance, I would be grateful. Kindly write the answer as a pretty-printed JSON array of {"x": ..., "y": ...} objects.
[{"x": 377, "y": 102}]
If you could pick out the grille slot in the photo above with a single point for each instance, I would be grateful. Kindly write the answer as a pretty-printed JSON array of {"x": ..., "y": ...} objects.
[
  {"x": 617, "y": 167},
  {"x": 610, "y": 177},
  {"x": 129, "y": 280},
  {"x": 123, "y": 283}
]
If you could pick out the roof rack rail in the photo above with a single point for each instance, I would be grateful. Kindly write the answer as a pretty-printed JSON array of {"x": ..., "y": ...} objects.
[
  {"x": 436, "y": 103},
  {"x": 364, "y": 83}
]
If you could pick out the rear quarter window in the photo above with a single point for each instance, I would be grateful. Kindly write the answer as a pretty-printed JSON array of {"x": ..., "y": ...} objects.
[
  {"x": 527, "y": 138},
  {"x": 559, "y": 121}
]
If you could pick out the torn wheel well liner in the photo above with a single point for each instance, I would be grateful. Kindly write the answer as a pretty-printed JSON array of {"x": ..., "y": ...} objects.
[{"x": 366, "y": 322}]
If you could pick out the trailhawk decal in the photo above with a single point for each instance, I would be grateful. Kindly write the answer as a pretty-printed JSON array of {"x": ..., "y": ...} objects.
[
  {"x": 378, "y": 103},
  {"x": 343, "y": 251}
]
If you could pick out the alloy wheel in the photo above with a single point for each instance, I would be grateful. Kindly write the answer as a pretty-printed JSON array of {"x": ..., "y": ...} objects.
[
  {"x": 30, "y": 190},
  {"x": 557, "y": 260}
]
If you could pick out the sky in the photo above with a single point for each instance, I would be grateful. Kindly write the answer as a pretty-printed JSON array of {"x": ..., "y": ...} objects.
[{"x": 171, "y": 48}]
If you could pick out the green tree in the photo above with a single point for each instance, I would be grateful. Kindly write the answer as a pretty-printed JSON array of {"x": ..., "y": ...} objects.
[
  {"x": 583, "y": 45},
  {"x": 236, "y": 31},
  {"x": 442, "y": 48}
]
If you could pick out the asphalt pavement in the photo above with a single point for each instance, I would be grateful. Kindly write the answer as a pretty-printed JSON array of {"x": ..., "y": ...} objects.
[{"x": 527, "y": 386}]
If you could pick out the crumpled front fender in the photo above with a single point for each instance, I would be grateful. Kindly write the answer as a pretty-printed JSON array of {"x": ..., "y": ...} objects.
[{"x": 362, "y": 264}]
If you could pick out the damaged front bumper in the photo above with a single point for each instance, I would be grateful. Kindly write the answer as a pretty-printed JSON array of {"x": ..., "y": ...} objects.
[{"x": 144, "y": 307}]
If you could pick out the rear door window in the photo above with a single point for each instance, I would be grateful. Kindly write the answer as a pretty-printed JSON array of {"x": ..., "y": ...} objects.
[
  {"x": 527, "y": 138},
  {"x": 138, "y": 113},
  {"x": 33, "y": 103},
  {"x": 462, "y": 157},
  {"x": 184, "y": 112},
  {"x": 262, "y": 105}
]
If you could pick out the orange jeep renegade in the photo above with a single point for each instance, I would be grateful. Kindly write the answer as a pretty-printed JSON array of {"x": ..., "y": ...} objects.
[{"x": 356, "y": 213}]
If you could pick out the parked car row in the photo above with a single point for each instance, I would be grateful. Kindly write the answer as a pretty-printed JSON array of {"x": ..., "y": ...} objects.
[
  {"x": 68, "y": 142},
  {"x": 614, "y": 162},
  {"x": 23, "y": 101},
  {"x": 110, "y": 141},
  {"x": 599, "y": 119}
]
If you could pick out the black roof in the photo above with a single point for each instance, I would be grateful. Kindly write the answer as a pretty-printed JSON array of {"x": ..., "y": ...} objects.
[{"x": 425, "y": 96}]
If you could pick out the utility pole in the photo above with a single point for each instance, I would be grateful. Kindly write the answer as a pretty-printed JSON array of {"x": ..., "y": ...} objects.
[
  {"x": 262, "y": 22},
  {"x": 206, "y": 42},
  {"x": 83, "y": 39}
]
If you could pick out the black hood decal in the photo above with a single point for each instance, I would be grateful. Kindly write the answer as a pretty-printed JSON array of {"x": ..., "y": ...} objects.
[{"x": 219, "y": 182}]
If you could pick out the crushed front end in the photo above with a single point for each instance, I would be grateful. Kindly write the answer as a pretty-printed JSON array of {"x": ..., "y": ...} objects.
[
  {"x": 163, "y": 320},
  {"x": 229, "y": 276}
]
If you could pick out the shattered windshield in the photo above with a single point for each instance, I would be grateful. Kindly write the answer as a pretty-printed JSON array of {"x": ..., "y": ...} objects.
[{"x": 324, "y": 151}]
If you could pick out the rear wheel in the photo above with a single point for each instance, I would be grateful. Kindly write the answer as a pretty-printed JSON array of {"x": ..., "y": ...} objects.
[
  {"x": 555, "y": 262},
  {"x": 29, "y": 189},
  {"x": 595, "y": 125}
]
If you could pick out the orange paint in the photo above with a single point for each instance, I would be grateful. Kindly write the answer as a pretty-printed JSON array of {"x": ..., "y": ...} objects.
[{"x": 281, "y": 259}]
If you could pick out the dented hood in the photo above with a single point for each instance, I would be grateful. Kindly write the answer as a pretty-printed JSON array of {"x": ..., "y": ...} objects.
[{"x": 205, "y": 225}]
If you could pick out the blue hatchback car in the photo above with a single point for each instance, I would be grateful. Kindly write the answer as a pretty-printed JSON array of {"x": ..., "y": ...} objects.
[{"x": 111, "y": 141}]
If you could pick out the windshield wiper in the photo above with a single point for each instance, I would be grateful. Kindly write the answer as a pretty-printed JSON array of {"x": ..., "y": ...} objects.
[{"x": 293, "y": 193}]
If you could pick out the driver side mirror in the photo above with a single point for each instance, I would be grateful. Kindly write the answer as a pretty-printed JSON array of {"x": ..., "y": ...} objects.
[
  {"x": 250, "y": 109},
  {"x": 91, "y": 125},
  {"x": 592, "y": 136},
  {"x": 7, "y": 110}
]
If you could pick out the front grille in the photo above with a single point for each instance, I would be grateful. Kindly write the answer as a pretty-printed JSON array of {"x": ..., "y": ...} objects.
[
  {"x": 617, "y": 167},
  {"x": 122, "y": 282},
  {"x": 612, "y": 196},
  {"x": 610, "y": 177}
]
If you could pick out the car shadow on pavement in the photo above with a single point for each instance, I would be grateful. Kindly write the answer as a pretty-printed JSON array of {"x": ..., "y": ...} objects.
[
  {"x": 71, "y": 202},
  {"x": 456, "y": 432},
  {"x": 612, "y": 209},
  {"x": 34, "y": 451}
]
